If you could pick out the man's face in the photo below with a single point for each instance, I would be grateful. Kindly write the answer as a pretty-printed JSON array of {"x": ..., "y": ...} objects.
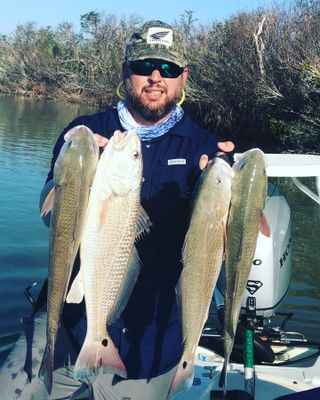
[{"x": 152, "y": 97}]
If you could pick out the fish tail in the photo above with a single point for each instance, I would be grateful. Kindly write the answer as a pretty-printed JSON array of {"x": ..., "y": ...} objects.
[
  {"x": 228, "y": 340},
  {"x": 223, "y": 374},
  {"x": 182, "y": 379},
  {"x": 110, "y": 359},
  {"x": 46, "y": 368},
  {"x": 96, "y": 356}
]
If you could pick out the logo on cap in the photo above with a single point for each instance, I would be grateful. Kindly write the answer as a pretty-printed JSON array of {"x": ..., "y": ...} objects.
[{"x": 160, "y": 36}]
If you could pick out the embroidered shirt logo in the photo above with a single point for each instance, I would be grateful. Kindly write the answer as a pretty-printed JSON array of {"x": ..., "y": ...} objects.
[
  {"x": 161, "y": 36},
  {"x": 177, "y": 161}
]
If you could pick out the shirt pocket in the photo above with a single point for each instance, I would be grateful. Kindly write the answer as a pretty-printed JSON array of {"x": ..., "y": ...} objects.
[{"x": 173, "y": 179}]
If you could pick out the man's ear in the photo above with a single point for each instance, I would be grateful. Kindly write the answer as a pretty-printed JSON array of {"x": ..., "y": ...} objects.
[{"x": 185, "y": 74}]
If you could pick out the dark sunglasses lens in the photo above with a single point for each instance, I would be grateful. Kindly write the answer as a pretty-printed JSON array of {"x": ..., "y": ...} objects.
[
  {"x": 145, "y": 68},
  {"x": 170, "y": 70}
]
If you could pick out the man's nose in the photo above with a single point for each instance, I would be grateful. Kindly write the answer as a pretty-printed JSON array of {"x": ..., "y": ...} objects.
[{"x": 155, "y": 76}]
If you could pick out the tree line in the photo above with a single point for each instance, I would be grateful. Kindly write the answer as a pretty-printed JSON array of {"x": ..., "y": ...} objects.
[{"x": 254, "y": 78}]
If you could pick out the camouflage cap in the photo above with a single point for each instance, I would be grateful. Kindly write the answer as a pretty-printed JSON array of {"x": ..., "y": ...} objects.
[{"x": 156, "y": 39}]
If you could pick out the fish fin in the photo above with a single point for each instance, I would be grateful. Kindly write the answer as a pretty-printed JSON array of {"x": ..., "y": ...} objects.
[
  {"x": 183, "y": 378},
  {"x": 127, "y": 286},
  {"x": 225, "y": 237},
  {"x": 184, "y": 250},
  {"x": 46, "y": 368},
  {"x": 144, "y": 224},
  {"x": 264, "y": 225},
  {"x": 96, "y": 356},
  {"x": 179, "y": 293},
  {"x": 76, "y": 292},
  {"x": 48, "y": 203},
  {"x": 102, "y": 209}
]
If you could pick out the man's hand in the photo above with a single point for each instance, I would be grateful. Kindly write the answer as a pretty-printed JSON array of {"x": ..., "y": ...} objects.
[
  {"x": 224, "y": 147},
  {"x": 101, "y": 140}
]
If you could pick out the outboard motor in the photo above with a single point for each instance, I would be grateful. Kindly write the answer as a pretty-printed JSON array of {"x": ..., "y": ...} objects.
[
  {"x": 268, "y": 283},
  {"x": 271, "y": 271}
]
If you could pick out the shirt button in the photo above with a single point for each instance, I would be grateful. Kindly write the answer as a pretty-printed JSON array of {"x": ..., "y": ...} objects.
[
  {"x": 125, "y": 330},
  {"x": 143, "y": 179},
  {"x": 148, "y": 145}
]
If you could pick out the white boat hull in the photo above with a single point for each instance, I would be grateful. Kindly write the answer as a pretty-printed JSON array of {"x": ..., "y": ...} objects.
[{"x": 270, "y": 381}]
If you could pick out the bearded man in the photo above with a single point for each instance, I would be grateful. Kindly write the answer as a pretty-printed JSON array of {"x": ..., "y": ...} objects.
[{"x": 175, "y": 149}]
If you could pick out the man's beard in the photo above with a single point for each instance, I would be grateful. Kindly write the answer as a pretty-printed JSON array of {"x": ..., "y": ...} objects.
[{"x": 145, "y": 112}]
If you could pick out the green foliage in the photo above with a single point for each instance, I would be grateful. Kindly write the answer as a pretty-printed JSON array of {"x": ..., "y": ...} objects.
[
  {"x": 90, "y": 22},
  {"x": 280, "y": 131},
  {"x": 301, "y": 135},
  {"x": 187, "y": 22}
]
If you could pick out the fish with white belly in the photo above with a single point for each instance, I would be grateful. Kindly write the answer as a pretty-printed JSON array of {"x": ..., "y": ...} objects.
[{"x": 109, "y": 260}]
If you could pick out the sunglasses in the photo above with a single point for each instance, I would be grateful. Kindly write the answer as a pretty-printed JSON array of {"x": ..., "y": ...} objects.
[{"x": 167, "y": 69}]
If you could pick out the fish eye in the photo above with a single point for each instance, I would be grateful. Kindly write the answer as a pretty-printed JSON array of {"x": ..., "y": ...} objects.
[{"x": 135, "y": 154}]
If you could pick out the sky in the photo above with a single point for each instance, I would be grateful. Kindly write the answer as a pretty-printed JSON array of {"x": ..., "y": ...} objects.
[{"x": 53, "y": 12}]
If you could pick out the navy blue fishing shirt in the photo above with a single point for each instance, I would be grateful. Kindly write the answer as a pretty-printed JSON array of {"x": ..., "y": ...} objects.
[{"x": 148, "y": 334}]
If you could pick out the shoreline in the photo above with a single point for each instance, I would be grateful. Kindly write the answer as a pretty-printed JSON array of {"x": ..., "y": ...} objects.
[{"x": 37, "y": 94}]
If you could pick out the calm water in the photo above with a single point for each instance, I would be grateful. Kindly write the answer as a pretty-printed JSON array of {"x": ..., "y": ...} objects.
[{"x": 28, "y": 131}]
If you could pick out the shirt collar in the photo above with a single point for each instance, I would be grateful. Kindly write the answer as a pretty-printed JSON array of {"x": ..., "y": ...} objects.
[
  {"x": 114, "y": 122},
  {"x": 181, "y": 128}
]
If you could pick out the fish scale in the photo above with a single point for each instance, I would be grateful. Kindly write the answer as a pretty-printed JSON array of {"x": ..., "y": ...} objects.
[
  {"x": 202, "y": 259},
  {"x": 249, "y": 191},
  {"x": 109, "y": 261},
  {"x": 116, "y": 254},
  {"x": 73, "y": 175}
]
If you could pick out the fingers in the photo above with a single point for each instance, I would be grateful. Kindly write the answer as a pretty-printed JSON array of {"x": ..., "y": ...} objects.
[
  {"x": 225, "y": 147},
  {"x": 100, "y": 140},
  {"x": 203, "y": 161}
]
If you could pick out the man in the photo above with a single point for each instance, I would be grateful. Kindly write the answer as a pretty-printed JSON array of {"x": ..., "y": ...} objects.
[{"x": 174, "y": 150}]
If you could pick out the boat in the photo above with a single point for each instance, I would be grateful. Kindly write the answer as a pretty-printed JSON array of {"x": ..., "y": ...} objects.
[{"x": 285, "y": 363}]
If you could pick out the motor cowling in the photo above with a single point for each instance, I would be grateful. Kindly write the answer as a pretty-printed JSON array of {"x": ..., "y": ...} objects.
[{"x": 271, "y": 270}]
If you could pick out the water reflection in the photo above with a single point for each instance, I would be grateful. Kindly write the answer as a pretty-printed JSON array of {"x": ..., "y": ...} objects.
[
  {"x": 303, "y": 298},
  {"x": 28, "y": 131},
  {"x": 30, "y": 126}
]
